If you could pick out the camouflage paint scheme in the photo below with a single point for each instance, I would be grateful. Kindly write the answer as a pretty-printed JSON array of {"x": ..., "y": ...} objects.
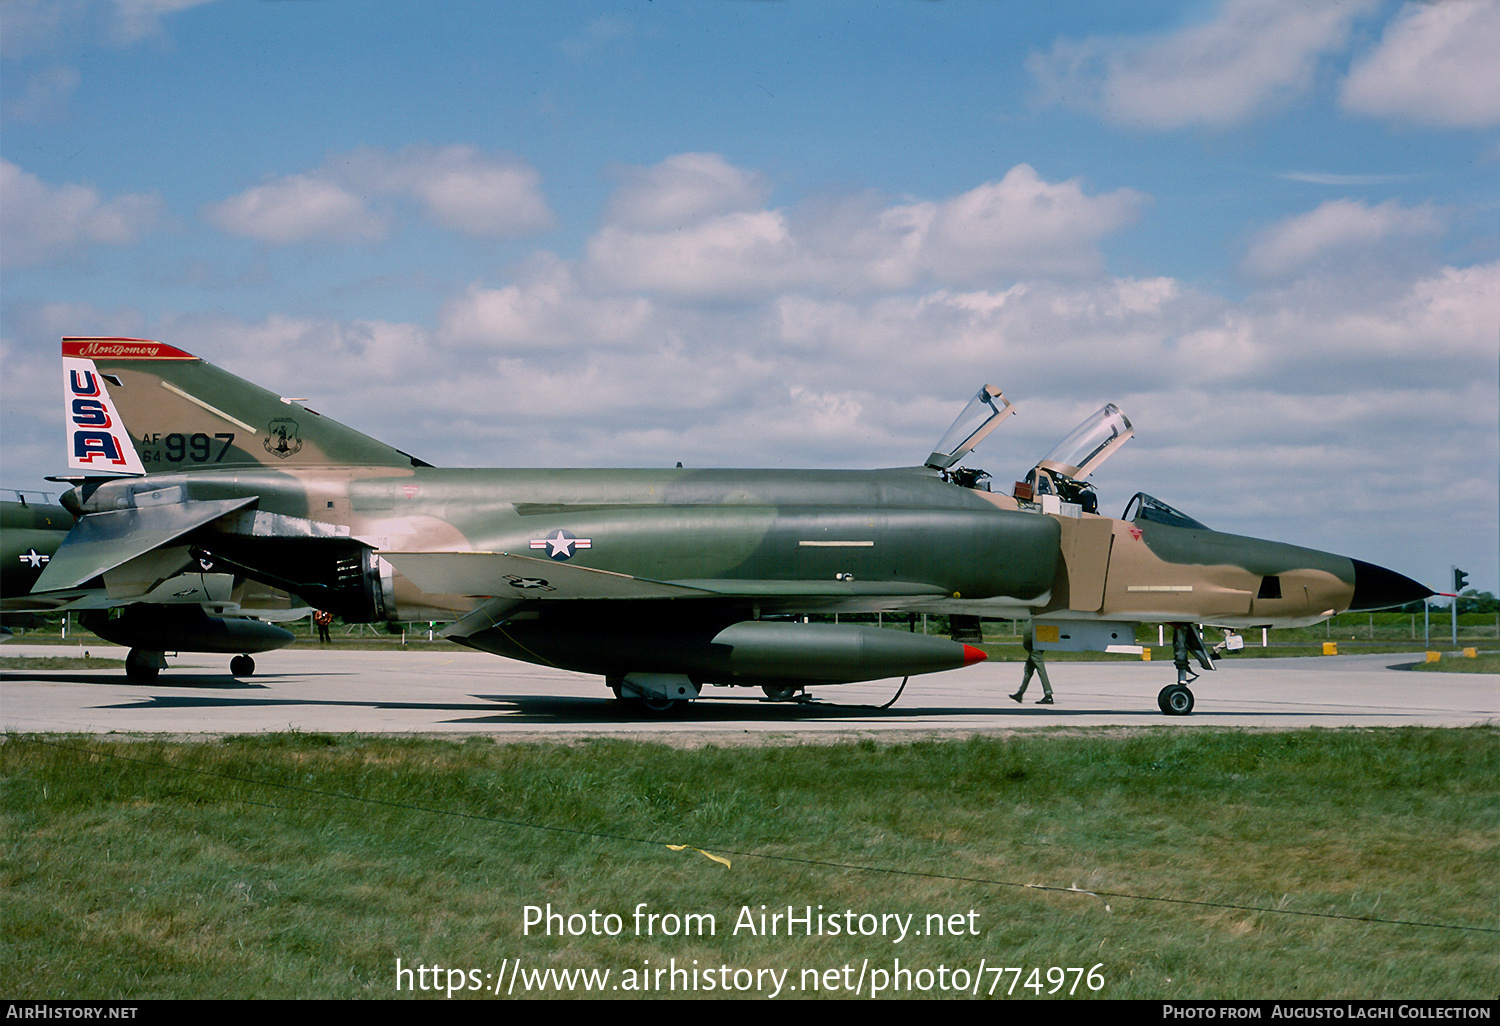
[
  {"x": 637, "y": 575},
  {"x": 30, "y": 533}
]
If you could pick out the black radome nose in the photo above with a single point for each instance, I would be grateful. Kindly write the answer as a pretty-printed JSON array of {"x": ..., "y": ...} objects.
[{"x": 1375, "y": 587}]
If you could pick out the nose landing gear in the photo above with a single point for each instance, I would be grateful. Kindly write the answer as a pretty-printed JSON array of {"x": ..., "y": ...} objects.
[{"x": 1177, "y": 699}]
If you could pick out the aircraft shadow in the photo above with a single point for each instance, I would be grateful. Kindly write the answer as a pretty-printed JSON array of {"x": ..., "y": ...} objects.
[
  {"x": 220, "y": 681},
  {"x": 551, "y": 710},
  {"x": 548, "y": 709}
]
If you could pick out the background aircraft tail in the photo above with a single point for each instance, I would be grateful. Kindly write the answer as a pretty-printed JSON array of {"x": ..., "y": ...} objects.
[{"x": 179, "y": 412}]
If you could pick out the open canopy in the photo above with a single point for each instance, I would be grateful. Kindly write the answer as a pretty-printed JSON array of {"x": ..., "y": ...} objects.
[{"x": 983, "y": 414}]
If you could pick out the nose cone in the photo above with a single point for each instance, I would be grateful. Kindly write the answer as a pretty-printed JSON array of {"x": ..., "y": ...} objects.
[{"x": 1375, "y": 587}]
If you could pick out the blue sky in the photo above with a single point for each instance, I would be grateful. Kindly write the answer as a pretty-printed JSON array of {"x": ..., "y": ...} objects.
[{"x": 797, "y": 234}]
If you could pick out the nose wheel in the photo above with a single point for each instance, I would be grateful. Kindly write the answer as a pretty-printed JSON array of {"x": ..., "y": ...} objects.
[{"x": 1175, "y": 700}]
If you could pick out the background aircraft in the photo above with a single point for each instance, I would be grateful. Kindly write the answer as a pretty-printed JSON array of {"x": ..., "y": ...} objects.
[
  {"x": 30, "y": 531},
  {"x": 661, "y": 581}
]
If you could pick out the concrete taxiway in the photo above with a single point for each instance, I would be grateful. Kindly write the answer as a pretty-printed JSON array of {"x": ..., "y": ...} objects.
[{"x": 447, "y": 690}]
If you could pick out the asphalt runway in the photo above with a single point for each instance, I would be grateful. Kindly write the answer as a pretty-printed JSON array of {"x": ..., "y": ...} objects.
[{"x": 454, "y": 691}]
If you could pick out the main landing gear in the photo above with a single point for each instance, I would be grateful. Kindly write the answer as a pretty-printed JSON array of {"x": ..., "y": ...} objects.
[
  {"x": 144, "y": 664},
  {"x": 786, "y": 693},
  {"x": 660, "y": 694}
]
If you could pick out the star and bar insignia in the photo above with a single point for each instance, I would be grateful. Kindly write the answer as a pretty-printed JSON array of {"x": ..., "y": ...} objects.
[{"x": 562, "y": 545}]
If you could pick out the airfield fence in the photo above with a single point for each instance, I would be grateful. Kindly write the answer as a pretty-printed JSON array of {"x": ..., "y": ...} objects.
[{"x": 1350, "y": 630}]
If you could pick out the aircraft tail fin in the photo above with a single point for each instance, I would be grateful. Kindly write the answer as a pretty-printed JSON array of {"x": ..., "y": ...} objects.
[{"x": 137, "y": 406}]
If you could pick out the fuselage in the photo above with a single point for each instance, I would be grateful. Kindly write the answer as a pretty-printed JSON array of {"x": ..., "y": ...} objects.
[{"x": 899, "y": 540}]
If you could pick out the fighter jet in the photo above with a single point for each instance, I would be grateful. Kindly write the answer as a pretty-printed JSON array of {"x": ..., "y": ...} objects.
[
  {"x": 194, "y": 611},
  {"x": 660, "y": 581}
]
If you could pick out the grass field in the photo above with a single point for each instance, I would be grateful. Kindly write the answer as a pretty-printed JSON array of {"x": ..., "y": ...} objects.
[
  {"x": 1316, "y": 864},
  {"x": 1484, "y": 662}
]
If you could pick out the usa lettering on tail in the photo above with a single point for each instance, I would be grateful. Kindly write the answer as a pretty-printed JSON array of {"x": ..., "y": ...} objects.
[{"x": 97, "y": 442}]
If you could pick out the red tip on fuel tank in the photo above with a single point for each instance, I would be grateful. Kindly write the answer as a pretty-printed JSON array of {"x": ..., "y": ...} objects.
[{"x": 973, "y": 655}]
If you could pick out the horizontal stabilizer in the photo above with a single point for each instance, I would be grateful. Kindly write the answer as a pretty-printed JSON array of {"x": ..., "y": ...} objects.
[
  {"x": 501, "y": 573},
  {"x": 102, "y": 541}
]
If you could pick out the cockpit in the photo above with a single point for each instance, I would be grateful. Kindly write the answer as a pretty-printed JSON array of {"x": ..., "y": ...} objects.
[
  {"x": 1056, "y": 484},
  {"x": 981, "y": 416},
  {"x": 1149, "y": 508},
  {"x": 1061, "y": 473}
]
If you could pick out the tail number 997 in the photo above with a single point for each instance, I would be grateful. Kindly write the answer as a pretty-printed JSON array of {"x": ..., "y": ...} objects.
[{"x": 180, "y": 448}]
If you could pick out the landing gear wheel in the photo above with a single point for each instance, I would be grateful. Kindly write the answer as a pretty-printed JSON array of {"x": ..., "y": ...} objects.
[
  {"x": 242, "y": 666},
  {"x": 659, "y": 696},
  {"x": 1175, "y": 700},
  {"x": 142, "y": 665},
  {"x": 780, "y": 692},
  {"x": 661, "y": 708}
]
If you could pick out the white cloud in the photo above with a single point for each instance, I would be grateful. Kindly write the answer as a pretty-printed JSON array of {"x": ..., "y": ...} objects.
[
  {"x": 684, "y": 188},
  {"x": 678, "y": 239},
  {"x": 42, "y": 26},
  {"x": 34, "y": 26},
  {"x": 609, "y": 33},
  {"x": 1436, "y": 64},
  {"x": 546, "y": 309},
  {"x": 1458, "y": 311},
  {"x": 734, "y": 255},
  {"x": 300, "y": 354},
  {"x": 456, "y": 187},
  {"x": 46, "y": 96},
  {"x": 1253, "y": 55},
  {"x": 1328, "y": 178},
  {"x": 1431, "y": 327},
  {"x": 1342, "y": 229},
  {"x": 1020, "y": 225},
  {"x": 137, "y": 19},
  {"x": 41, "y": 223},
  {"x": 297, "y": 208}
]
